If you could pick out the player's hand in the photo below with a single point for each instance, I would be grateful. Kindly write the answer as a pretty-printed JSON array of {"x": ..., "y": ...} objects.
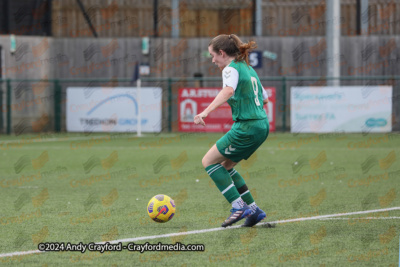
[{"x": 198, "y": 119}]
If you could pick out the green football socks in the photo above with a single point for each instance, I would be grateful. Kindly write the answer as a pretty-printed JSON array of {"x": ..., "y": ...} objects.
[
  {"x": 241, "y": 186},
  {"x": 223, "y": 181}
]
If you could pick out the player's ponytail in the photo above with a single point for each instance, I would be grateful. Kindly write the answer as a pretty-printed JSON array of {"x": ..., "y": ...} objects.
[
  {"x": 233, "y": 46},
  {"x": 244, "y": 49}
]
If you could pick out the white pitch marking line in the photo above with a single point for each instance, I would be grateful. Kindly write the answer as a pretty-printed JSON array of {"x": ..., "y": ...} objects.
[
  {"x": 331, "y": 215},
  {"x": 19, "y": 253},
  {"x": 363, "y": 218}
]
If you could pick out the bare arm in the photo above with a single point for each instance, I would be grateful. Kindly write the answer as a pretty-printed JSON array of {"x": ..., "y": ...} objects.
[{"x": 220, "y": 99}]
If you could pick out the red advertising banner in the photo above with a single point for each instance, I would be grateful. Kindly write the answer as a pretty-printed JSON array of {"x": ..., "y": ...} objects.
[
  {"x": 192, "y": 101},
  {"x": 270, "y": 108}
]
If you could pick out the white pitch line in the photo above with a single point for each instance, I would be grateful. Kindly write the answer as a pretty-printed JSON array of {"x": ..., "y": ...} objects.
[
  {"x": 329, "y": 216},
  {"x": 363, "y": 218},
  {"x": 19, "y": 253}
]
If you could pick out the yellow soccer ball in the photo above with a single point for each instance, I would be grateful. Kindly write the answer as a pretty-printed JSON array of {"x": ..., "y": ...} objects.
[{"x": 161, "y": 208}]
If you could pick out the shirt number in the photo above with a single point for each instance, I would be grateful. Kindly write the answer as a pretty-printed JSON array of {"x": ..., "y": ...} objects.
[{"x": 255, "y": 89}]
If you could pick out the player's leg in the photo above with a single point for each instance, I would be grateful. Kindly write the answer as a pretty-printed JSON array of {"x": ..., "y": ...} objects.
[
  {"x": 212, "y": 163},
  {"x": 240, "y": 184},
  {"x": 260, "y": 131},
  {"x": 256, "y": 214},
  {"x": 247, "y": 138},
  {"x": 244, "y": 192}
]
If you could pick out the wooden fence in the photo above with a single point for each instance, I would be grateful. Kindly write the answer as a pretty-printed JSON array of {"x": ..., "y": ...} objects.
[{"x": 205, "y": 18}]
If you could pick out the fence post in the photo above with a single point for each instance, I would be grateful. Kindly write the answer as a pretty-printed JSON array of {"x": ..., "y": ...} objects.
[
  {"x": 57, "y": 106},
  {"x": 8, "y": 106},
  {"x": 169, "y": 105},
  {"x": 284, "y": 103}
]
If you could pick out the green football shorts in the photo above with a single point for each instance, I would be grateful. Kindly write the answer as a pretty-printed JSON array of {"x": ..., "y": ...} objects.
[{"x": 243, "y": 139}]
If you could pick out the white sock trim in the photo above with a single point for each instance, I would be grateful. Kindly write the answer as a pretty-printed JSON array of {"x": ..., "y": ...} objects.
[
  {"x": 238, "y": 203},
  {"x": 233, "y": 172},
  {"x": 214, "y": 169},
  {"x": 236, "y": 199},
  {"x": 253, "y": 207},
  {"x": 226, "y": 189},
  {"x": 245, "y": 193}
]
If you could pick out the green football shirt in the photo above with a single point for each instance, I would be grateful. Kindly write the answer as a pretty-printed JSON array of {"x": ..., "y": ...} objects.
[{"x": 247, "y": 102}]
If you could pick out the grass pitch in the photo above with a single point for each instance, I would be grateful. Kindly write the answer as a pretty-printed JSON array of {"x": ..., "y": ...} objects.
[{"x": 93, "y": 188}]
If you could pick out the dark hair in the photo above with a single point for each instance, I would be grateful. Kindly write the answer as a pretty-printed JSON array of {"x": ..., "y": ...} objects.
[{"x": 233, "y": 46}]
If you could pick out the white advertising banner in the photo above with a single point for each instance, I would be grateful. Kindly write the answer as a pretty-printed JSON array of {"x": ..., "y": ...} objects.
[
  {"x": 341, "y": 109},
  {"x": 113, "y": 109}
]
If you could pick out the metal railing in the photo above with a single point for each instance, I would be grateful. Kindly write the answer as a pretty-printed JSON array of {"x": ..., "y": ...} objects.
[{"x": 280, "y": 83}]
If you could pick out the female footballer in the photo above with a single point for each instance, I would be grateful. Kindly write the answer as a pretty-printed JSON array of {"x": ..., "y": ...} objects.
[{"x": 243, "y": 91}]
